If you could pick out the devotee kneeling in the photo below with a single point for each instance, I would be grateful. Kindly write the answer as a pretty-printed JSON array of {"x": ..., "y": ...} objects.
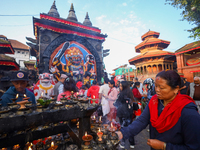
[
  {"x": 172, "y": 118},
  {"x": 19, "y": 80}
]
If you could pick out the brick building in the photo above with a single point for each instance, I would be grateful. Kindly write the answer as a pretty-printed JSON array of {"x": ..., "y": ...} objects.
[{"x": 188, "y": 60}]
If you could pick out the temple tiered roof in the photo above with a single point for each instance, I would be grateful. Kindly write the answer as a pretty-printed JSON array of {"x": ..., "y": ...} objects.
[
  {"x": 6, "y": 47},
  {"x": 151, "y": 47},
  {"x": 7, "y": 62},
  {"x": 150, "y": 39}
]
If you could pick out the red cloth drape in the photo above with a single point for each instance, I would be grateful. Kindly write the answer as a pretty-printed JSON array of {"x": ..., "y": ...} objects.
[{"x": 170, "y": 114}]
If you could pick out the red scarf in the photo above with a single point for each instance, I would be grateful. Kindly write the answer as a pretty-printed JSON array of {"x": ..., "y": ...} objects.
[
  {"x": 170, "y": 114},
  {"x": 110, "y": 91}
]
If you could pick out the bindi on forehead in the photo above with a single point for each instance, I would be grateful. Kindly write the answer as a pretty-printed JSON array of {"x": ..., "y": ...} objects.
[{"x": 158, "y": 78}]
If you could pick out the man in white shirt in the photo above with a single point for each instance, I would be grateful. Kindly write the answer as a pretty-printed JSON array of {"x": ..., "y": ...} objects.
[
  {"x": 58, "y": 88},
  {"x": 104, "y": 89}
]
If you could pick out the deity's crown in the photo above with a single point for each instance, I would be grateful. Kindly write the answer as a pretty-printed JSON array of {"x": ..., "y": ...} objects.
[{"x": 73, "y": 51}]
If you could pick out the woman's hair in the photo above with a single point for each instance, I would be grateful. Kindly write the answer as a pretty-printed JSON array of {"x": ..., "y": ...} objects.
[
  {"x": 94, "y": 82},
  {"x": 173, "y": 79},
  {"x": 126, "y": 91},
  {"x": 136, "y": 84},
  {"x": 83, "y": 87},
  {"x": 70, "y": 85},
  {"x": 112, "y": 82}
]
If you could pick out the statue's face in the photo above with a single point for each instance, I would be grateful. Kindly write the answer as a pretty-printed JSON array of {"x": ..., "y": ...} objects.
[
  {"x": 45, "y": 78},
  {"x": 75, "y": 60}
]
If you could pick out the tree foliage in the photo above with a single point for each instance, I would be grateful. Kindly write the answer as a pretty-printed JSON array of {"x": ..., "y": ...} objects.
[{"x": 191, "y": 13}]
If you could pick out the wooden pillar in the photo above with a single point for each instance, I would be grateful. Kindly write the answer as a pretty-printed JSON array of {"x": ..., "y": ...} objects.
[
  {"x": 157, "y": 68},
  {"x": 152, "y": 69},
  {"x": 142, "y": 70},
  {"x": 136, "y": 71}
]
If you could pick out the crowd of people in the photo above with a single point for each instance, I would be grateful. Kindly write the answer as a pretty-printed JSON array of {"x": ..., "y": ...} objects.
[{"x": 169, "y": 105}]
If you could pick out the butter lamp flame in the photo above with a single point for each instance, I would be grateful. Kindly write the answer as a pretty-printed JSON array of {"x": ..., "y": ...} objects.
[
  {"x": 52, "y": 144},
  {"x": 29, "y": 148}
]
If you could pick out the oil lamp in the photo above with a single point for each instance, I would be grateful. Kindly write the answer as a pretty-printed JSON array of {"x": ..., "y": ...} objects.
[
  {"x": 105, "y": 126},
  {"x": 105, "y": 131},
  {"x": 93, "y": 100},
  {"x": 53, "y": 147},
  {"x": 16, "y": 147},
  {"x": 87, "y": 138},
  {"x": 58, "y": 139},
  {"x": 39, "y": 145},
  {"x": 48, "y": 142},
  {"x": 113, "y": 136},
  {"x": 29, "y": 148},
  {"x": 14, "y": 99},
  {"x": 72, "y": 94},
  {"x": 99, "y": 134},
  {"x": 100, "y": 120},
  {"x": 93, "y": 119},
  {"x": 22, "y": 103},
  {"x": 77, "y": 125},
  {"x": 112, "y": 129},
  {"x": 53, "y": 97}
]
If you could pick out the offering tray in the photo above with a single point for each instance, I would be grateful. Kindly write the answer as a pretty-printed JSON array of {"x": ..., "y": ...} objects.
[
  {"x": 70, "y": 102},
  {"x": 80, "y": 95},
  {"x": 23, "y": 111},
  {"x": 4, "y": 113},
  {"x": 83, "y": 100}
]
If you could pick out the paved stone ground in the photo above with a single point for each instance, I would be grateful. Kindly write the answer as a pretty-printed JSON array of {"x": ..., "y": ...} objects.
[{"x": 140, "y": 142}]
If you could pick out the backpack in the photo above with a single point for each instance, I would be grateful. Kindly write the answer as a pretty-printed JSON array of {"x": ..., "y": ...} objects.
[{"x": 125, "y": 110}]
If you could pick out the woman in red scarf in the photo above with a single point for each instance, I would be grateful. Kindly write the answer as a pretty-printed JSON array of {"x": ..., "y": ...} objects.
[{"x": 172, "y": 118}]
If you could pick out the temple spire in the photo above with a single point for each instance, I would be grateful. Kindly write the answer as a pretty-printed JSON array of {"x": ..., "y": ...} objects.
[
  {"x": 53, "y": 11},
  {"x": 87, "y": 20},
  {"x": 72, "y": 15}
]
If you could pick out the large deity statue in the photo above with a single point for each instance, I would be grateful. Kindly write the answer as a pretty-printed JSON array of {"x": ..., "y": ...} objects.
[
  {"x": 73, "y": 59},
  {"x": 74, "y": 62}
]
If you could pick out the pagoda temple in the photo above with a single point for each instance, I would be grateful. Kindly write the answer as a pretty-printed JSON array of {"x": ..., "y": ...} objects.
[
  {"x": 152, "y": 59},
  {"x": 66, "y": 45},
  {"x": 7, "y": 63}
]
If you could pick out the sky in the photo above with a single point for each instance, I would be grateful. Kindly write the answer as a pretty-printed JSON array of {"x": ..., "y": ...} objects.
[{"x": 124, "y": 21}]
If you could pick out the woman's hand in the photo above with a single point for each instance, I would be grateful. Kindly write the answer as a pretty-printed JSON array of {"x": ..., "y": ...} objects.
[
  {"x": 120, "y": 135},
  {"x": 156, "y": 144},
  {"x": 105, "y": 96}
]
